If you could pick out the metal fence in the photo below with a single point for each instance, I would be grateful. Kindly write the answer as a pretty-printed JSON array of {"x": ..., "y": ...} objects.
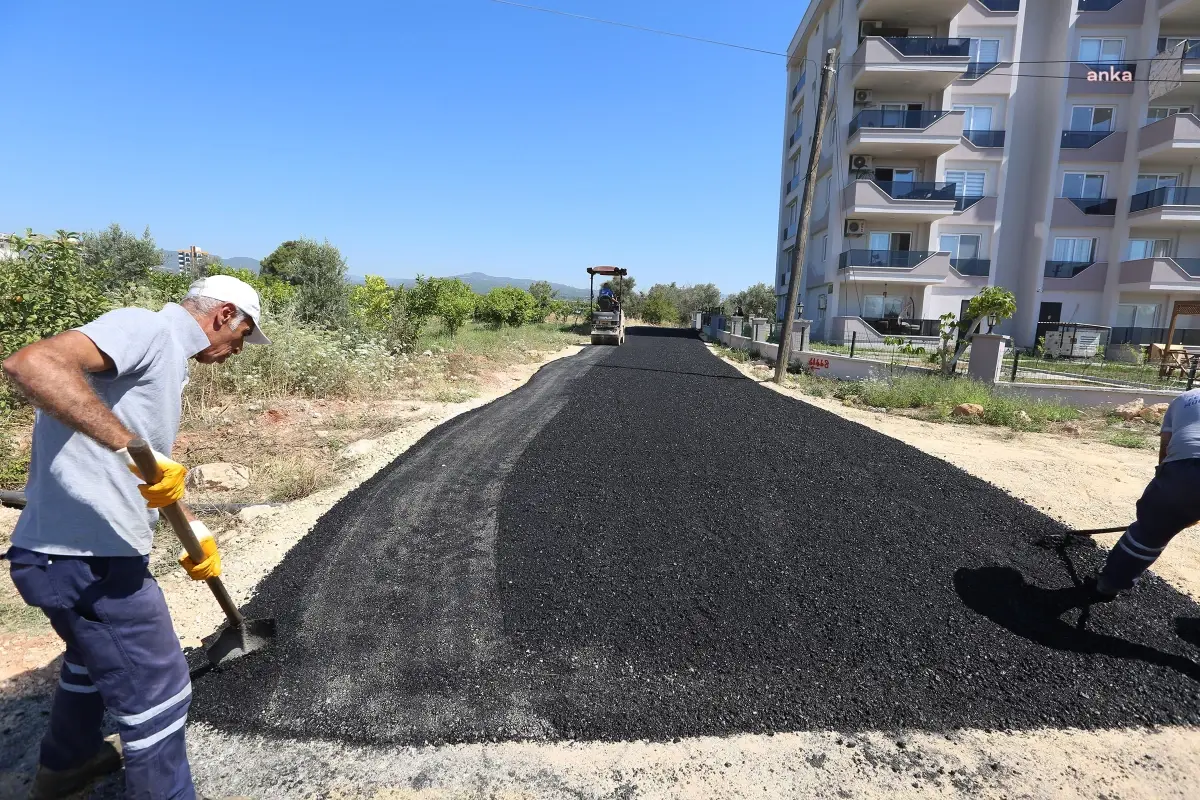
[{"x": 1039, "y": 367}]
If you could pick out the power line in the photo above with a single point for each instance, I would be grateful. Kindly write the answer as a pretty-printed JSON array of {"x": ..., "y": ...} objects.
[{"x": 639, "y": 28}]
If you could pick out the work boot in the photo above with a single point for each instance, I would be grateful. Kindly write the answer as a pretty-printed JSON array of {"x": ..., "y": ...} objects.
[
  {"x": 1098, "y": 592},
  {"x": 53, "y": 784}
]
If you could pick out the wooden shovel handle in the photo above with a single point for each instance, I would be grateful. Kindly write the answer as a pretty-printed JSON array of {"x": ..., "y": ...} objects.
[{"x": 143, "y": 456}]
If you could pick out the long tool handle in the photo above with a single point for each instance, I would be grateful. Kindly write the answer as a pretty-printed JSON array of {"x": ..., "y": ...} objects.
[
  {"x": 143, "y": 456},
  {"x": 1098, "y": 531}
]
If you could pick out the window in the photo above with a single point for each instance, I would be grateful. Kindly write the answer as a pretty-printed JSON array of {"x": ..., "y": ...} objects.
[
  {"x": 1155, "y": 113},
  {"x": 985, "y": 51},
  {"x": 1168, "y": 43},
  {"x": 1083, "y": 185},
  {"x": 825, "y": 247},
  {"x": 876, "y": 306},
  {"x": 1092, "y": 118},
  {"x": 886, "y": 240},
  {"x": 792, "y": 213},
  {"x": 1149, "y": 248},
  {"x": 976, "y": 118},
  {"x": 1080, "y": 250},
  {"x": 1148, "y": 183},
  {"x": 822, "y": 200},
  {"x": 1101, "y": 51},
  {"x": 1137, "y": 315},
  {"x": 967, "y": 183},
  {"x": 795, "y": 166},
  {"x": 960, "y": 245}
]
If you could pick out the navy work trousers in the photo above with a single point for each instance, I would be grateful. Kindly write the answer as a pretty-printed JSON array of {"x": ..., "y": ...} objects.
[
  {"x": 1170, "y": 504},
  {"x": 122, "y": 655}
]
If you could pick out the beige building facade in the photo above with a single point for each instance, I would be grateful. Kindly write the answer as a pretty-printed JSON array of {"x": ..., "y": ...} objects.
[{"x": 1051, "y": 147}]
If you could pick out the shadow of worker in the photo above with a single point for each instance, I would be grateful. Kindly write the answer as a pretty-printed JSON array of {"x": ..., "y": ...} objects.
[{"x": 1002, "y": 595}]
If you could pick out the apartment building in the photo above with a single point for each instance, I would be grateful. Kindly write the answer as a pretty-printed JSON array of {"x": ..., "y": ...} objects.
[
  {"x": 189, "y": 259},
  {"x": 1048, "y": 146}
]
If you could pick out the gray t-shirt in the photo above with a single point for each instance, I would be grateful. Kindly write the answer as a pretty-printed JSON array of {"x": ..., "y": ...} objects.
[
  {"x": 1183, "y": 423},
  {"x": 81, "y": 498}
]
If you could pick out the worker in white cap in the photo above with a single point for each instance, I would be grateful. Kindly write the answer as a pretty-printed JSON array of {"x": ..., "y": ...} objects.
[{"x": 81, "y": 546}]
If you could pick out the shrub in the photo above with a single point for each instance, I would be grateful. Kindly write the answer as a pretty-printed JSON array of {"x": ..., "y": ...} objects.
[
  {"x": 449, "y": 299},
  {"x": 506, "y": 305}
]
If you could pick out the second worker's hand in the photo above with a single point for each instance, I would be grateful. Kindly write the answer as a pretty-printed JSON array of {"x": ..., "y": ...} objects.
[{"x": 163, "y": 489}]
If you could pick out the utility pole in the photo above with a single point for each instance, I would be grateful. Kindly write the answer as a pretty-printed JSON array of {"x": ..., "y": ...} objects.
[{"x": 810, "y": 187}]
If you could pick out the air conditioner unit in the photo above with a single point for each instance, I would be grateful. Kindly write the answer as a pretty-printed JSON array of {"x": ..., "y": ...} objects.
[
  {"x": 858, "y": 163},
  {"x": 856, "y": 227},
  {"x": 862, "y": 96}
]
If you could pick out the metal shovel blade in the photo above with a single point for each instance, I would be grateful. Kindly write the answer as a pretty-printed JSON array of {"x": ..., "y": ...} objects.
[{"x": 232, "y": 643}]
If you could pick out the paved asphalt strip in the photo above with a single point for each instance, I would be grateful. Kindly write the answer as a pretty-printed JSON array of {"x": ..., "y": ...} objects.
[{"x": 642, "y": 543}]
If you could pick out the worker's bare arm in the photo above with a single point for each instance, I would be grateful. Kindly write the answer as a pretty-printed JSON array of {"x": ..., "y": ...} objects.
[
  {"x": 1164, "y": 442},
  {"x": 52, "y": 375}
]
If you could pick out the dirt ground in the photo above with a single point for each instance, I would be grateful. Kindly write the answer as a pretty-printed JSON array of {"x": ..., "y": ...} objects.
[{"x": 1081, "y": 482}]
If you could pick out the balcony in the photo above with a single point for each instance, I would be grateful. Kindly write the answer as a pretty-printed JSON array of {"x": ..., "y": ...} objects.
[
  {"x": 963, "y": 203},
  {"x": 910, "y": 134},
  {"x": 789, "y": 232},
  {"x": 1088, "y": 146},
  {"x": 799, "y": 87},
  {"x": 975, "y": 210},
  {"x": 1076, "y": 276},
  {"x": 894, "y": 266},
  {"x": 926, "y": 12},
  {"x": 1161, "y": 275},
  {"x": 895, "y": 326},
  {"x": 914, "y": 65},
  {"x": 985, "y": 139},
  {"x": 1083, "y": 212},
  {"x": 1106, "y": 78},
  {"x": 1112, "y": 12},
  {"x": 1168, "y": 207},
  {"x": 1181, "y": 13},
  {"x": 915, "y": 202},
  {"x": 796, "y": 137},
  {"x": 1174, "y": 140},
  {"x": 793, "y": 185},
  {"x": 1175, "y": 75},
  {"x": 975, "y": 267},
  {"x": 1001, "y": 5}
]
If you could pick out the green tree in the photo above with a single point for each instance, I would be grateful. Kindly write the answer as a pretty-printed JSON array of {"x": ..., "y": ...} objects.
[
  {"x": 658, "y": 308},
  {"x": 117, "y": 257},
  {"x": 275, "y": 295},
  {"x": 626, "y": 284},
  {"x": 992, "y": 301},
  {"x": 756, "y": 300},
  {"x": 449, "y": 299},
  {"x": 371, "y": 305},
  {"x": 318, "y": 272},
  {"x": 544, "y": 296},
  {"x": 45, "y": 289},
  {"x": 507, "y": 305}
]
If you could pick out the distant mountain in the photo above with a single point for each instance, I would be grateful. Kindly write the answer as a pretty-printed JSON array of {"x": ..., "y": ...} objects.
[{"x": 242, "y": 262}]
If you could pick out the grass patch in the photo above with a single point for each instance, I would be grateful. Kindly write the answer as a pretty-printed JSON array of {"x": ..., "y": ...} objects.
[
  {"x": 16, "y": 617},
  {"x": 297, "y": 478},
  {"x": 1131, "y": 439}
]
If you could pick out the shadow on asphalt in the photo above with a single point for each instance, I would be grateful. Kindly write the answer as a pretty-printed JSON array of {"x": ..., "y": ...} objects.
[
  {"x": 662, "y": 333},
  {"x": 1004, "y": 596}
]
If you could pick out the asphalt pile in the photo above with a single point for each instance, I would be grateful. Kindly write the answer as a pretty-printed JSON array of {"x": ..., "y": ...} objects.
[{"x": 645, "y": 544}]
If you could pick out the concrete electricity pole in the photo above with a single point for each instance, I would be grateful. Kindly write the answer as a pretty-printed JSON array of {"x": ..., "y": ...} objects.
[{"x": 810, "y": 181}]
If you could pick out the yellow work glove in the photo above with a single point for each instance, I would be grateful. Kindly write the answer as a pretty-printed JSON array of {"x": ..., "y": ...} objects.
[
  {"x": 210, "y": 567},
  {"x": 167, "y": 487}
]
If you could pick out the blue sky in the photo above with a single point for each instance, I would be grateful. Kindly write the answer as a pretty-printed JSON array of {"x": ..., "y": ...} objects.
[{"x": 431, "y": 136}]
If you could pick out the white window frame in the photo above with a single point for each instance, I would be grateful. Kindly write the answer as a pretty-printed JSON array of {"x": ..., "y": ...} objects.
[
  {"x": 1092, "y": 246},
  {"x": 1101, "y": 42},
  {"x": 1157, "y": 248},
  {"x": 960, "y": 187},
  {"x": 1112, "y": 119},
  {"x": 1103, "y": 184},
  {"x": 1171, "y": 112},
  {"x": 1137, "y": 307},
  {"x": 969, "y": 116},
  {"x": 891, "y": 238},
  {"x": 958, "y": 237},
  {"x": 977, "y": 47},
  {"x": 1161, "y": 180}
]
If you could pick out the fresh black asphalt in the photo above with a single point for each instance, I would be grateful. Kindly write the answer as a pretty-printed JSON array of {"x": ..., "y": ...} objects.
[{"x": 642, "y": 543}]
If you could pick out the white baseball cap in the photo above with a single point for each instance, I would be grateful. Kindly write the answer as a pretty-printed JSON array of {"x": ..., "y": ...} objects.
[{"x": 229, "y": 289}]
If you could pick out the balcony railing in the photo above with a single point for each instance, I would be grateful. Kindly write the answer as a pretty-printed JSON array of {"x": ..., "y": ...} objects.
[
  {"x": 963, "y": 203},
  {"x": 980, "y": 267},
  {"x": 894, "y": 326},
  {"x": 909, "y": 190},
  {"x": 930, "y": 46},
  {"x": 1189, "y": 337},
  {"x": 985, "y": 138},
  {"x": 799, "y": 85},
  {"x": 793, "y": 184},
  {"x": 977, "y": 69},
  {"x": 1166, "y": 196},
  {"x": 1098, "y": 5},
  {"x": 1096, "y": 206},
  {"x": 1066, "y": 269},
  {"x": 1191, "y": 47},
  {"x": 789, "y": 232},
  {"x": 1081, "y": 140},
  {"x": 796, "y": 135},
  {"x": 882, "y": 259},
  {"x": 1189, "y": 265},
  {"x": 1001, "y": 5},
  {"x": 888, "y": 118}
]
